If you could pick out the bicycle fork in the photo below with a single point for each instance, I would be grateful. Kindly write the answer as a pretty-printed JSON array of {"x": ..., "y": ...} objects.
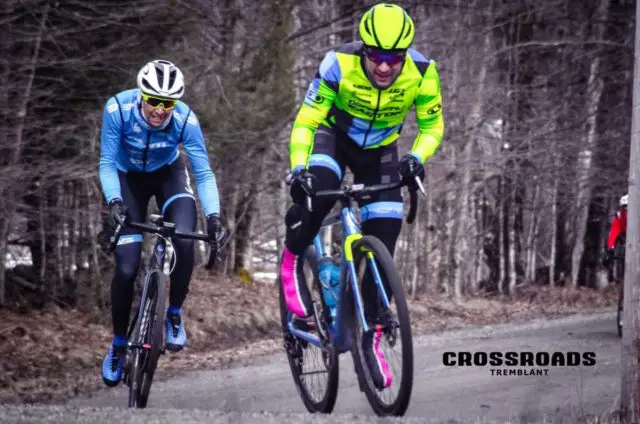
[{"x": 349, "y": 275}]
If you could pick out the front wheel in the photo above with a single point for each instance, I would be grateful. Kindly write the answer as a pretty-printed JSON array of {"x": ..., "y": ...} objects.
[
  {"x": 393, "y": 400},
  {"x": 153, "y": 334},
  {"x": 315, "y": 372},
  {"x": 135, "y": 378}
]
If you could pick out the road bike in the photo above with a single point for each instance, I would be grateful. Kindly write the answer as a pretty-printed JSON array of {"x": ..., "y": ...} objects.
[
  {"x": 329, "y": 333},
  {"x": 145, "y": 333}
]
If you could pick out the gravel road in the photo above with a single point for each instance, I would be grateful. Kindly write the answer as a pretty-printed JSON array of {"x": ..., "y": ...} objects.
[{"x": 264, "y": 392}]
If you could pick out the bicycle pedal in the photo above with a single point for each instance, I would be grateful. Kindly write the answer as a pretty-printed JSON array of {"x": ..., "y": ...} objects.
[{"x": 304, "y": 324}]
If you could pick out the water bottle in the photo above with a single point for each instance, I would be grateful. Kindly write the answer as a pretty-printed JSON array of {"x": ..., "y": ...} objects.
[
  {"x": 335, "y": 278},
  {"x": 335, "y": 288},
  {"x": 325, "y": 273}
]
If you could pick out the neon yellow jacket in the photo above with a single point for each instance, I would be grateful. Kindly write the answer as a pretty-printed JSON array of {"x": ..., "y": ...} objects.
[{"x": 342, "y": 96}]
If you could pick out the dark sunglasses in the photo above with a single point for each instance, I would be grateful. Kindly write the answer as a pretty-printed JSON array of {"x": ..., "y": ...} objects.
[
  {"x": 379, "y": 56},
  {"x": 154, "y": 102}
]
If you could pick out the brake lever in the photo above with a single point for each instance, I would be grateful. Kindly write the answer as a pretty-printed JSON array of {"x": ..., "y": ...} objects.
[
  {"x": 420, "y": 186},
  {"x": 219, "y": 244},
  {"x": 113, "y": 240}
]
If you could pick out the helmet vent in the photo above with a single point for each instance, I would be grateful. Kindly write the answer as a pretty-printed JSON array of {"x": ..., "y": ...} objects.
[
  {"x": 147, "y": 85},
  {"x": 160, "y": 73},
  {"x": 366, "y": 27}
]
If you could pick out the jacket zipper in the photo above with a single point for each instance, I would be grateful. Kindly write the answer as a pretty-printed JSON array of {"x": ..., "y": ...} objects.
[
  {"x": 146, "y": 151},
  {"x": 373, "y": 119}
]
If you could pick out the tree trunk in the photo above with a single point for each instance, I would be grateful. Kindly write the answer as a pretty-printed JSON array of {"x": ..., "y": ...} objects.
[
  {"x": 595, "y": 88},
  {"x": 233, "y": 226},
  {"x": 415, "y": 254},
  {"x": 554, "y": 233},
  {"x": 511, "y": 224},
  {"x": 460, "y": 240},
  {"x": 430, "y": 269},
  {"x": 630, "y": 378},
  {"x": 532, "y": 236},
  {"x": 502, "y": 239},
  {"x": 10, "y": 197}
]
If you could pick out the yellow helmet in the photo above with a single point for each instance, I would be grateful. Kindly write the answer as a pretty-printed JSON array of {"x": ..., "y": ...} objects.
[{"x": 387, "y": 26}]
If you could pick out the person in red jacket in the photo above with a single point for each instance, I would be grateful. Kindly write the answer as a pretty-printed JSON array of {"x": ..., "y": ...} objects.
[{"x": 618, "y": 226}]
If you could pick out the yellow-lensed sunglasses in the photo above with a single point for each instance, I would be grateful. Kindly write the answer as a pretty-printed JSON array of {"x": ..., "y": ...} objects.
[{"x": 156, "y": 102}]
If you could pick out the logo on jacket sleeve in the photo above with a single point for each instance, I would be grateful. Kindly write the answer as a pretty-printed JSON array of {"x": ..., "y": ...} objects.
[
  {"x": 187, "y": 187},
  {"x": 435, "y": 109}
]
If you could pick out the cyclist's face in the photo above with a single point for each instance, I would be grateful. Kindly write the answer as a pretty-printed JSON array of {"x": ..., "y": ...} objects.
[
  {"x": 383, "y": 73},
  {"x": 154, "y": 116}
]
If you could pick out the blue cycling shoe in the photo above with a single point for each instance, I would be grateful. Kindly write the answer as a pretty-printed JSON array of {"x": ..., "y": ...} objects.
[
  {"x": 176, "y": 335},
  {"x": 113, "y": 365}
]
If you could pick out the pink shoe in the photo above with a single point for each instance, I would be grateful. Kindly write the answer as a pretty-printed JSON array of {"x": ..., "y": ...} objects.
[
  {"x": 374, "y": 357},
  {"x": 296, "y": 293}
]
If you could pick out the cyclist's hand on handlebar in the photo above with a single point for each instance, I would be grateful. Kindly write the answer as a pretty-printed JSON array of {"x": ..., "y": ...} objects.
[
  {"x": 302, "y": 183},
  {"x": 410, "y": 167},
  {"x": 118, "y": 213},
  {"x": 214, "y": 226}
]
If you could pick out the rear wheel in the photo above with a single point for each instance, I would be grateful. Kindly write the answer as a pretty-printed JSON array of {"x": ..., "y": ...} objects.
[
  {"x": 315, "y": 372},
  {"x": 396, "y": 342}
]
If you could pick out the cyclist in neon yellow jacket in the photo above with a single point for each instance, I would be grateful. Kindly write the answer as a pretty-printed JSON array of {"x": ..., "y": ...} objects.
[{"x": 352, "y": 115}]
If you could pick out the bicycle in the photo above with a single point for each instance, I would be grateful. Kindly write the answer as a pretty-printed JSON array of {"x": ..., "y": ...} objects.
[
  {"x": 145, "y": 333},
  {"x": 618, "y": 276},
  {"x": 359, "y": 254}
]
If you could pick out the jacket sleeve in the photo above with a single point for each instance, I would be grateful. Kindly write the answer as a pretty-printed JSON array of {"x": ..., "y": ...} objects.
[
  {"x": 614, "y": 231},
  {"x": 193, "y": 142},
  {"x": 428, "y": 115},
  {"x": 110, "y": 140},
  {"x": 314, "y": 110}
]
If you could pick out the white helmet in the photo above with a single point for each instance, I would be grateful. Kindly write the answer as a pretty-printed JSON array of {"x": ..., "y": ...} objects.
[
  {"x": 624, "y": 200},
  {"x": 161, "y": 78}
]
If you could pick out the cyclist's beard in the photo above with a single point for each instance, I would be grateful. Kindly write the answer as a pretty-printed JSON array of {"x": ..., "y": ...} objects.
[
  {"x": 146, "y": 120},
  {"x": 372, "y": 79},
  {"x": 162, "y": 125}
]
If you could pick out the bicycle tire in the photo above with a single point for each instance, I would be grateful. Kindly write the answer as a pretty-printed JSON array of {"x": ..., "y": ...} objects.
[
  {"x": 138, "y": 356},
  {"x": 327, "y": 401},
  {"x": 134, "y": 378},
  {"x": 618, "y": 271},
  {"x": 153, "y": 332},
  {"x": 388, "y": 272}
]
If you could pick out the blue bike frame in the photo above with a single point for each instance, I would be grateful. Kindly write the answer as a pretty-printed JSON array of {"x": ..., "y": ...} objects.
[{"x": 351, "y": 233}]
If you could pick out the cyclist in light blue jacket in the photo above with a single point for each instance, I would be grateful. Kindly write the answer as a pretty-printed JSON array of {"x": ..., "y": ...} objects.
[{"x": 139, "y": 158}]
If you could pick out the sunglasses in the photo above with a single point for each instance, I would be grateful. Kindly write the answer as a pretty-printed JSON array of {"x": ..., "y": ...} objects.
[
  {"x": 155, "y": 102},
  {"x": 380, "y": 56}
]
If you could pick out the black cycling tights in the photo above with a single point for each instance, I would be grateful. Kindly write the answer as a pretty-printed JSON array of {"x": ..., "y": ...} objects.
[
  {"x": 382, "y": 212},
  {"x": 174, "y": 195}
]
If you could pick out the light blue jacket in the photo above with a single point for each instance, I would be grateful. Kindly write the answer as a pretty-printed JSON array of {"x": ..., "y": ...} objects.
[{"x": 129, "y": 143}]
